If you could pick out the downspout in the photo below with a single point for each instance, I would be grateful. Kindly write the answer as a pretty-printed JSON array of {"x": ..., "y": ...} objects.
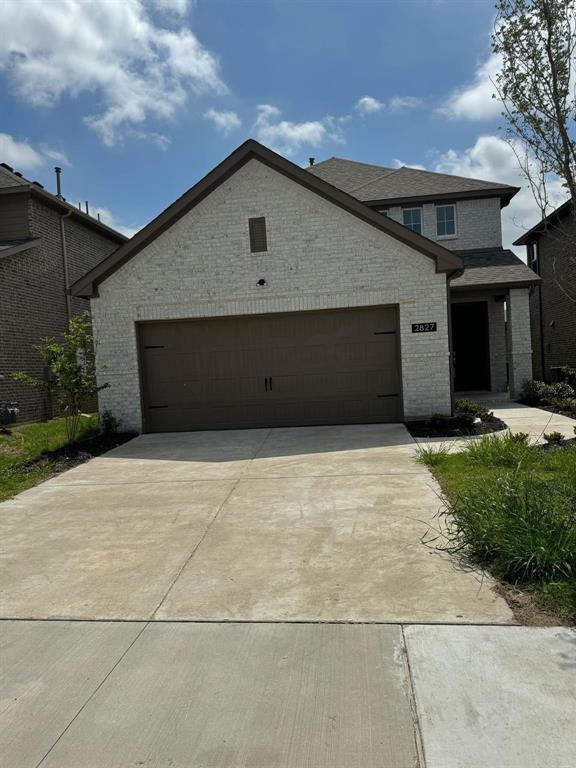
[
  {"x": 541, "y": 318},
  {"x": 65, "y": 265}
]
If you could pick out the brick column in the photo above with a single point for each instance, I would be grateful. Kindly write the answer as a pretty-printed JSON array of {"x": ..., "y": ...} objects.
[
  {"x": 519, "y": 339},
  {"x": 497, "y": 330}
]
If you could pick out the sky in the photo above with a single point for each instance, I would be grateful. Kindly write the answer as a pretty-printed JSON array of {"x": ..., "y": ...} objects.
[{"x": 138, "y": 99}]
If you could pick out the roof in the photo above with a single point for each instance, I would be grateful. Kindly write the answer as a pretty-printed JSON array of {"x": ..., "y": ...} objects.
[
  {"x": 13, "y": 183},
  {"x": 493, "y": 267},
  {"x": 543, "y": 224},
  {"x": 378, "y": 184},
  {"x": 10, "y": 247},
  {"x": 87, "y": 286}
]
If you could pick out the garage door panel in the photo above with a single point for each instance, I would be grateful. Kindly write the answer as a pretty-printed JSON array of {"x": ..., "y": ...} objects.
[{"x": 271, "y": 370}]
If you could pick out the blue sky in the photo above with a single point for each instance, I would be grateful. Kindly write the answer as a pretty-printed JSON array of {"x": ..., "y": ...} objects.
[{"x": 138, "y": 99}]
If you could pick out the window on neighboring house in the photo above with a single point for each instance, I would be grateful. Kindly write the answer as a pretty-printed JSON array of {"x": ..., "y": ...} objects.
[
  {"x": 257, "y": 229},
  {"x": 445, "y": 220},
  {"x": 412, "y": 218},
  {"x": 533, "y": 257}
]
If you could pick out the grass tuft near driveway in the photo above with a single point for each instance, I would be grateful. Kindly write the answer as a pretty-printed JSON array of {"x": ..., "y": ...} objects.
[
  {"x": 510, "y": 507},
  {"x": 32, "y": 453}
]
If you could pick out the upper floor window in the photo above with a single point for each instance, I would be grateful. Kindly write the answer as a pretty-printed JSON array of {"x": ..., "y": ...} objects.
[
  {"x": 412, "y": 218},
  {"x": 534, "y": 257},
  {"x": 445, "y": 220}
]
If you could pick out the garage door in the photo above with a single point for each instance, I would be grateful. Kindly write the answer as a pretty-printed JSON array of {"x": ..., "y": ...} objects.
[{"x": 333, "y": 367}]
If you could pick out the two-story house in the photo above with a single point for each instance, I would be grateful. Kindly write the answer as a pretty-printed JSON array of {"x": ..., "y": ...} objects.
[
  {"x": 551, "y": 251},
  {"x": 272, "y": 295},
  {"x": 45, "y": 245}
]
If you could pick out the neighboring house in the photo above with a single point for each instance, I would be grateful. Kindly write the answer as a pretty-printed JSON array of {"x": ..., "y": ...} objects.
[
  {"x": 551, "y": 252},
  {"x": 272, "y": 295},
  {"x": 45, "y": 245}
]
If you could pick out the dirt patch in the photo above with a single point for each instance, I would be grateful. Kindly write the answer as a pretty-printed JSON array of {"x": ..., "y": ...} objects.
[
  {"x": 525, "y": 609},
  {"x": 455, "y": 427}
]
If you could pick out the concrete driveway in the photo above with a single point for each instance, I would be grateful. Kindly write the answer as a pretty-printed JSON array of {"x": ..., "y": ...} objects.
[
  {"x": 299, "y": 524},
  {"x": 262, "y": 599}
]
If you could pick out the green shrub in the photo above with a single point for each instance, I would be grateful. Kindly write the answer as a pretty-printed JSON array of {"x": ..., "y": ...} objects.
[
  {"x": 539, "y": 393},
  {"x": 569, "y": 376},
  {"x": 567, "y": 404},
  {"x": 470, "y": 408},
  {"x": 439, "y": 421},
  {"x": 560, "y": 390},
  {"x": 521, "y": 527},
  {"x": 501, "y": 450},
  {"x": 554, "y": 438},
  {"x": 431, "y": 456}
]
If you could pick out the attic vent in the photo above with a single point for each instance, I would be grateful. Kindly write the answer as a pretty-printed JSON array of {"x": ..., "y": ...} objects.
[{"x": 257, "y": 229}]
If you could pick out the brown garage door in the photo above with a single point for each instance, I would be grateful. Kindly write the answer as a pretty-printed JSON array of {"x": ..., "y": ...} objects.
[{"x": 332, "y": 367}]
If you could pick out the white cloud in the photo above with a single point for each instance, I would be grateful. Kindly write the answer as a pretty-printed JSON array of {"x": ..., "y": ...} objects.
[
  {"x": 475, "y": 102},
  {"x": 179, "y": 7},
  {"x": 493, "y": 159},
  {"x": 288, "y": 137},
  {"x": 107, "y": 217},
  {"x": 368, "y": 105},
  {"x": 401, "y": 164},
  {"x": 22, "y": 156},
  {"x": 403, "y": 103},
  {"x": 132, "y": 68},
  {"x": 223, "y": 120}
]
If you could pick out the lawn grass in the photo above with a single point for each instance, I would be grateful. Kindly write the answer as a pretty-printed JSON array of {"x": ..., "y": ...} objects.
[
  {"x": 510, "y": 507},
  {"x": 21, "y": 462}
]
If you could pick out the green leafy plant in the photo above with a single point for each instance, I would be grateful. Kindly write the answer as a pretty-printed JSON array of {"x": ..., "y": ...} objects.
[
  {"x": 470, "y": 408},
  {"x": 569, "y": 376},
  {"x": 109, "y": 424},
  {"x": 72, "y": 370},
  {"x": 539, "y": 393},
  {"x": 554, "y": 438}
]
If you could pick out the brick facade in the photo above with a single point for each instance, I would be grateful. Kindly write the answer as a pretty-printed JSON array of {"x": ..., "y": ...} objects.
[
  {"x": 554, "y": 329},
  {"x": 319, "y": 257},
  {"x": 33, "y": 297},
  {"x": 478, "y": 223}
]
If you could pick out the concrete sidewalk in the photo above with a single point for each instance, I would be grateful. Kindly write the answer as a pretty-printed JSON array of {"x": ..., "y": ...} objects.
[{"x": 112, "y": 695}]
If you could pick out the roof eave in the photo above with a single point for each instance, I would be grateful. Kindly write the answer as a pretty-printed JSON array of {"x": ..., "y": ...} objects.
[
  {"x": 505, "y": 196},
  {"x": 497, "y": 284},
  {"x": 444, "y": 259}
]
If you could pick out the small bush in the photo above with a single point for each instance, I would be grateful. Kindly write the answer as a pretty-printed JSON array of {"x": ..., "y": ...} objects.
[
  {"x": 109, "y": 424},
  {"x": 520, "y": 526},
  {"x": 567, "y": 404},
  {"x": 533, "y": 392},
  {"x": 439, "y": 421},
  {"x": 554, "y": 438},
  {"x": 569, "y": 376},
  {"x": 560, "y": 390},
  {"x": 470, "y": 408},
  {"x": 431, "y": 455},
  {"x": 501, "y": 451},
  {"x": 539, "y": 393}
]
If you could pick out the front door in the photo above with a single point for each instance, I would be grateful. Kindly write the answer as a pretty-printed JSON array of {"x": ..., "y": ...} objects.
[{"x": 470, "y": 346}]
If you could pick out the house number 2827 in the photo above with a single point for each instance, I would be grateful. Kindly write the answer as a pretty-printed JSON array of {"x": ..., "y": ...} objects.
[{"x": 423, "y": 327}]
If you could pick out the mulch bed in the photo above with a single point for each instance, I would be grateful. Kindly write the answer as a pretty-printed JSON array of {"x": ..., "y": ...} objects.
[
  {"x": 455, "y": 427},
  {"x": 71, "y": 456}
]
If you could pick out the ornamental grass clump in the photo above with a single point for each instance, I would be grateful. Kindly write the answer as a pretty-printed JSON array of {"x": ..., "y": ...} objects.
[
  {"x": 516, "y": 524},
  {"x": 508, "y": 451}
]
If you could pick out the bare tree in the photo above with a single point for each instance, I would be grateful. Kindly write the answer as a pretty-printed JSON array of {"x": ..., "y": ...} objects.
[{"x": 536, "y": 40}]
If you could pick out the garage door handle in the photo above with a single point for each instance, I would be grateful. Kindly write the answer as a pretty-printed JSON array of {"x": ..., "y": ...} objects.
[
  {"x": 266, "y": 383},
  {"x": 270, "y": 383}
]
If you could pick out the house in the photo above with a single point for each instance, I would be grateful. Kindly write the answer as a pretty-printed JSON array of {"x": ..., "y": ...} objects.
[
  {"x": 269, "y": 294},
  {"x": 551, "y": 253},
  {"x": 45, "y": 245}
]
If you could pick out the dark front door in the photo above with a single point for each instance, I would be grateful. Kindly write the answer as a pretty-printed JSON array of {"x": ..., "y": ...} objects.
[
  {"x": 470, "y": 346},
  {"x": 331, "y": 367}
]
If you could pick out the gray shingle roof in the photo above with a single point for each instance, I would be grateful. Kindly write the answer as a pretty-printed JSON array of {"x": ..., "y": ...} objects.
[
  {"x": 493, "y": 267},
  {"x": 374, "y": 182}
]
